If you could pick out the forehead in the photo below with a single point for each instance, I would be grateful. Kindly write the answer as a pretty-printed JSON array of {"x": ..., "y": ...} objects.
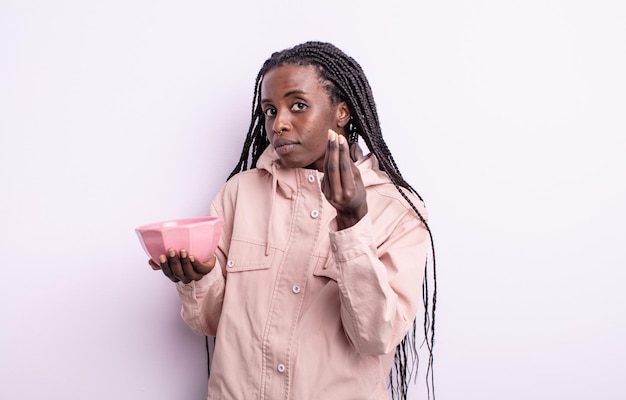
[{"x": 290, "y": 77}]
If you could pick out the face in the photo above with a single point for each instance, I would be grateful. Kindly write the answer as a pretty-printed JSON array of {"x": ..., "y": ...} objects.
[{"x": 298, "y": 114}]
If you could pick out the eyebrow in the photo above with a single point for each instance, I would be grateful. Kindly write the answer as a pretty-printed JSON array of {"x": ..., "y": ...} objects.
[{"x": 289, "y": 93}]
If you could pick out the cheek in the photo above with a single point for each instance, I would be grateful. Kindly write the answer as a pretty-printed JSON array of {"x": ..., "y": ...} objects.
[
  {"x": 322, "y": 140},
  {"x": 269, "y": 132}
]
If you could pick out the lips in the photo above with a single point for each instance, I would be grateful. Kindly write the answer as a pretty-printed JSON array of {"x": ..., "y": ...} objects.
[{"x": 284, "y": 146}]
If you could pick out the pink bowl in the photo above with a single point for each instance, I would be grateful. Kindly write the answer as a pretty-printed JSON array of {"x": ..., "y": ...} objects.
[{"x": 199, "y": 236}]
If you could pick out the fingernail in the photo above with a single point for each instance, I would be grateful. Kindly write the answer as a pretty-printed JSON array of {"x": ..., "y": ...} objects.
[
  {"x": 192, "y": 259},
  {"x": 342, "y": 139},
  {"x": 183, "y": 253},
  {"x": 332, "y": 135},
  {"x": 172, "y": 253},
  {"x": 162, "y": 259}
]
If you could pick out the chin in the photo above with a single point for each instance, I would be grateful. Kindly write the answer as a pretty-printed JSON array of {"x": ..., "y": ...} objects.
[{"x": 290, "y": 163}]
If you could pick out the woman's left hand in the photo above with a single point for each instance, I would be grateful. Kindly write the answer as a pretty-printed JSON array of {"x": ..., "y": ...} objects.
[
  {"x": 342, "y": 184},
  {"x": 179, "y": 266}
]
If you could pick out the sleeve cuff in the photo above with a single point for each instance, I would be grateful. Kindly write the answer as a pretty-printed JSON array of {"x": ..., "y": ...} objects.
[
  {"x": 192, "y": 288},
  {"x": 352, "y": 242}
]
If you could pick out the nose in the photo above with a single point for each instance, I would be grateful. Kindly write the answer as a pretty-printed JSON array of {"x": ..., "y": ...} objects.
[{"x": 281, "y": 122}]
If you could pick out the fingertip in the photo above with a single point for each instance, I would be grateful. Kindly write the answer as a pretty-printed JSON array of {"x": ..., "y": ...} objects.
[{"x": 154, "y": 264}]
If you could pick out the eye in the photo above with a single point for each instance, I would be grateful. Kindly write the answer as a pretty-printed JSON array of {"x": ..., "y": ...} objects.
[
  {"x": 269, "y": 112},
  {"x": 299, "y": 106}
]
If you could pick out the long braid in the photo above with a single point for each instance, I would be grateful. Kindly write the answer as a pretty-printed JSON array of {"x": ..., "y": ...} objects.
[
  {"x": 345, "y": 81},
  {"x": 256, "y": 140}
]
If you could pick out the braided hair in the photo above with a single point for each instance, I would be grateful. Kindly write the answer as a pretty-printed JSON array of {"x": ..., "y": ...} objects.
[{"x": 345, "y": 81}]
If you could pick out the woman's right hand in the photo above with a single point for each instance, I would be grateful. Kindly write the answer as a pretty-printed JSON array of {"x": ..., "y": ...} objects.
[{"x": 182, "y": 267}]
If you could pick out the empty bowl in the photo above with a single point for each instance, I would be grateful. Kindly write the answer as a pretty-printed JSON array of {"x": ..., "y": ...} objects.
[{"x": 199, "y": 236}]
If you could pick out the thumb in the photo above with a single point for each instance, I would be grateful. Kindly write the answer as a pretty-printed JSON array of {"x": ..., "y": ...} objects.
[
  {"x": 355, "y": 151},
  {"x": 203, "y": 267}
]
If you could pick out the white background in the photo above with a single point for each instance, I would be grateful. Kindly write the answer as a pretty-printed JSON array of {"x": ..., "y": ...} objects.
[{"x": 508, "y": 116}]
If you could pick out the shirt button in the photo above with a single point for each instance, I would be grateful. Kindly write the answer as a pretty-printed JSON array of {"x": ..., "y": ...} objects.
[
  {"x": 311, "y": 178},
  {"x": 230, "y": 264},
  {"x": 315, "y": 214},
  {"x": 296, "y": 289},
  {"x": 281, "y": 368}
]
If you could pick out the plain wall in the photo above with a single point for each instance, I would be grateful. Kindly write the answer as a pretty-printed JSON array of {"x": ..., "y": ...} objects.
[{"x": 507, "y": 116}]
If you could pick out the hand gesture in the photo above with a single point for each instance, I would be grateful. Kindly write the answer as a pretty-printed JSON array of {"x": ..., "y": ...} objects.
[
  {"x": 181, "y": 267},
  {"x": 342, "y": 184}
]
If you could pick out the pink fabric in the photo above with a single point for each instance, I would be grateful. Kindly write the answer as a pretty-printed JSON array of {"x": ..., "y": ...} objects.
[{"x": 308, "y": 312}]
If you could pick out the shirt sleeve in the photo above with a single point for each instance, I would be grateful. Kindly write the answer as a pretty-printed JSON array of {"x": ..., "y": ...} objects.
[
  {"x": 202, "y": 301},
  {"x": 380, "y": 286}
]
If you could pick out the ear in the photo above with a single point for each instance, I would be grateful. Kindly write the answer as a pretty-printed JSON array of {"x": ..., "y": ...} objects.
[{"x": 343, "y": 114}]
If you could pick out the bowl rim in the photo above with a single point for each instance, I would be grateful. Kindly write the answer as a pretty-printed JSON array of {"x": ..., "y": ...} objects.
[{"x": 177, "y": 223}]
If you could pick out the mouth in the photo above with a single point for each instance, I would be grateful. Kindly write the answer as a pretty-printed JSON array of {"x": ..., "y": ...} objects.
[{"x": 283, "y": 147}]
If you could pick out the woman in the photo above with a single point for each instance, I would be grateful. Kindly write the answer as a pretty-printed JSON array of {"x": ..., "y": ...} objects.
[{"x": 314, "y": 287}]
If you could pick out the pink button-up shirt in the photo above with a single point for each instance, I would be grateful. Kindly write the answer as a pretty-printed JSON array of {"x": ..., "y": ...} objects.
[{"x": 300, "y": 310}]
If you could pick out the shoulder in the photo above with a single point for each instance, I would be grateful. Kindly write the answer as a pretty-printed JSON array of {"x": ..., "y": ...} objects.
[
  {"x": 252, "y": 176},
  {"x": 398, "y": 200},
  {"x": 384, "y": 194},
  {"x": 244, "y": 184}
]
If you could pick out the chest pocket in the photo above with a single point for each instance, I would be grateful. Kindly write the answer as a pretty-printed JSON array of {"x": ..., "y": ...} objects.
[
  {"x": 247, "y": 256},
  {"x": 326, "y": 267}
]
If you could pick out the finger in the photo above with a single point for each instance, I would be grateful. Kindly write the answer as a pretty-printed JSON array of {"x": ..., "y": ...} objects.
[
  {"x": 189, "y": 272},
  {"x": 331, "y": 167},
  {"x": 325, "y": 184},
  {"x": 154, "y": 265},
  {"x": 203, "y": 268},
  {"x": 175, "y": 266},
  {"x": 346, "y": 170},
  {"x": 165, "y": 267},
  {"x": 355, "y": 151}
]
